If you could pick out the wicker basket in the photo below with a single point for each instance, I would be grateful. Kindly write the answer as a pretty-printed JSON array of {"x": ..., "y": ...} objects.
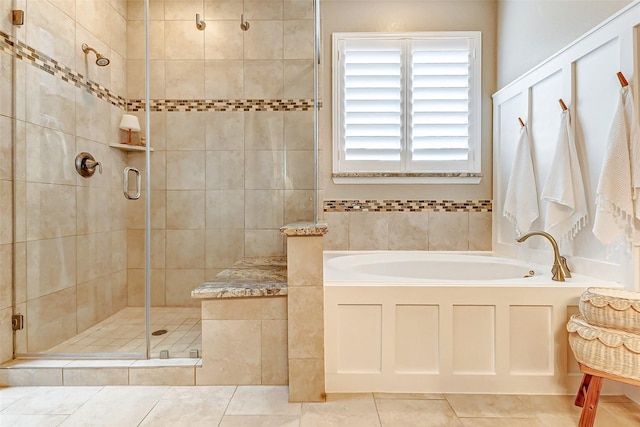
[
  {"x": 607, "y": 350},
  {"x": 611, "y": 308}
]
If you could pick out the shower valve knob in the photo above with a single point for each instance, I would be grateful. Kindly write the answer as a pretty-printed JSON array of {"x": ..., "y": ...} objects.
[{"x": 86, "y": 165}]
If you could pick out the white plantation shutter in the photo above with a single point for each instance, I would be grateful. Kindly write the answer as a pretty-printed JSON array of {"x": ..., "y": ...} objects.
[
  {"x": 407, "y": 103},
  {"x": 439, "y": 104},
  {"x": 372, "y": 104}
]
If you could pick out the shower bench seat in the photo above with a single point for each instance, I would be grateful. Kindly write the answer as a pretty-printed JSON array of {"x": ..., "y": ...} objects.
[{"x": 244, "y": 324}]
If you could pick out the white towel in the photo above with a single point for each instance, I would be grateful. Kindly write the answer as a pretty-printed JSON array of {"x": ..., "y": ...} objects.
[
  {"x": 633, "y": 127},
  {"x": 521, "y": 200},
  {"x": 614, "y": 196},
  {"x": 564, "y": 190}
]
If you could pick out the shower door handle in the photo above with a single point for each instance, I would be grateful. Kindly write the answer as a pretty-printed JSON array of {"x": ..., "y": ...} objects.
[{"x": 125, "y": 183}]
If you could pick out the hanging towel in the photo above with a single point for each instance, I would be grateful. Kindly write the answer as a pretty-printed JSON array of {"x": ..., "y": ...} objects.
[
  {"x": 633, "y": 127},
  {"x": 614, "y": 196},
  {"x": 521, "y": 200},
  {"x": 564, "y": 190}
]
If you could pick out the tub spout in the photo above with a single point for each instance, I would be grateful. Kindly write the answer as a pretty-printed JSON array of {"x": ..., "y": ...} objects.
[{"x": 560, "y": 269}]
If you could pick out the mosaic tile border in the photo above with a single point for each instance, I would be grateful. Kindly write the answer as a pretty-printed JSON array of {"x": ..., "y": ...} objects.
[
  {"x": 49, "y": 65},
  {"x": 184, "y": 105},
  {"x": 407, "y": 206}
]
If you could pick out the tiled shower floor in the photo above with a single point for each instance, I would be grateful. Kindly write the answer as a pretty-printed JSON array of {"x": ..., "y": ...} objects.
[{"x": 124, "y": 333}]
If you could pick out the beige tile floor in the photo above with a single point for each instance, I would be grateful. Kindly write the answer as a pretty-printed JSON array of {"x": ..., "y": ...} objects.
[
  {"x": 268, "y": 406},
  {"x": 124, "y": 333}
]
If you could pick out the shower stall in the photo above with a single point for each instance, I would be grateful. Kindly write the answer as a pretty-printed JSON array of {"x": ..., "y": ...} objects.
[{"x": 224, "y": 93}]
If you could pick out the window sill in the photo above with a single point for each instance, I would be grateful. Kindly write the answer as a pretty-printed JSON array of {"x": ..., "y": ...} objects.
[{"x": 406, "y": 178}]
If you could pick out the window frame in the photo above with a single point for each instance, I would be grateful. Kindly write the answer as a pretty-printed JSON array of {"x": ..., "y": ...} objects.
[{"x": 471, "y": 174}]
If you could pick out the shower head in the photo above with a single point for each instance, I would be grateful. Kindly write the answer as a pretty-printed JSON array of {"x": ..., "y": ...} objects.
[{"x": 101, "y": 61}]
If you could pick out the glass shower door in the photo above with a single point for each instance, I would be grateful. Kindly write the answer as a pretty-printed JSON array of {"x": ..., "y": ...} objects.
[{"x": 71, "y": 228}]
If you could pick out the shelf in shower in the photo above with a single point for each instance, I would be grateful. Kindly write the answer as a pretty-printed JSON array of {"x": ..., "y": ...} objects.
[{"x": 127, "y": 147}]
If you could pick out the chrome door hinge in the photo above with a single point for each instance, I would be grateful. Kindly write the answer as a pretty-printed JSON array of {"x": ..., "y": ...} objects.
[
  {"x": 17, "y": 17},
  {"x": 17, "y": 322}
]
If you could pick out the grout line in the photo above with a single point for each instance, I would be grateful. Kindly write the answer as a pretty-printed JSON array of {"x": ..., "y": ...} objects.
[
  {"x": 375, "y": 403},
  {"x": 224, "y": 413}
]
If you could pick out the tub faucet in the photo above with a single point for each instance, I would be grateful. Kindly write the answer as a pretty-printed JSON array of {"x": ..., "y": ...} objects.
[{"x": 560, "y": 269}]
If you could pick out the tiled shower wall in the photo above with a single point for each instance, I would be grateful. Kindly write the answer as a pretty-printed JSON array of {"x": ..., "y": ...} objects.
[
  {"x": 232, "y": 130},
  {"x": 70, "y": 232}
]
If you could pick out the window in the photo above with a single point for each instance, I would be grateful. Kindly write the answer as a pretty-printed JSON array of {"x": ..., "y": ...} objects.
[{"x": 406, "y": 105}]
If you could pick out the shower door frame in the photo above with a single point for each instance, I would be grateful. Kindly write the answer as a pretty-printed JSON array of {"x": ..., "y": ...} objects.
[{"x": 147, "y": 177}]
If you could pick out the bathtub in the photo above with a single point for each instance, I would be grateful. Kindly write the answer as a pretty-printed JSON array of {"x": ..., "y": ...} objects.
[{"x": 448, "y": 322}]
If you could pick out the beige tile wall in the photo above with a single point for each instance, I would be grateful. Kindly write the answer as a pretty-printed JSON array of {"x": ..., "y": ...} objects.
[
  {"x": 244, "y": 341},
  {"x": 69, "y": 232},
  {"x": 306, "y": 318},
  {"x": 434, "y": 231},
  {"x": 223, "y": 183}
]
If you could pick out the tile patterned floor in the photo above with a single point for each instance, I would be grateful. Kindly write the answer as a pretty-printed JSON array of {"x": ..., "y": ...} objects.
[
  {"x": 268, "y": 406},
  {"x": 124, "y": 333}
]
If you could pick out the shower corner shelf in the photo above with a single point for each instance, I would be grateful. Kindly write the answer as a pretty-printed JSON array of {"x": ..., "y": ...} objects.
[{"x": 127, "y": 147}]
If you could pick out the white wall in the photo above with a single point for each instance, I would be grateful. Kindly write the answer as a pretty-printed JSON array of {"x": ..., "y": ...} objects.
[
  {"x": 584, "y": 76},
  {"x": 529, "y": 31},
  {"x": 396, "y": 15}
]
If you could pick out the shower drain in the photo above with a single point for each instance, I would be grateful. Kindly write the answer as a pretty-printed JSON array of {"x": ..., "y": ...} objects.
[{"x": 159, "y": 332}]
